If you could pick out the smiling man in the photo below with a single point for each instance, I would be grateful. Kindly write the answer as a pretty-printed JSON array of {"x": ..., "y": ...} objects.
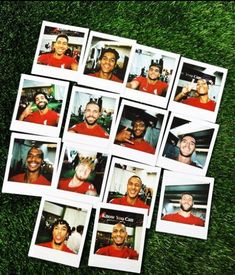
[
  {"x": 135, "y": 139},
  {"x": 32, "y": 175},
  {"x": 150, "y": 84},
  {"x": 90, "y": 125},
  {"x": 201, "y": 100},
  {"x": 43, "y": 115},
  {"x": 107, "y": 62},
  {"x": 184, "y": 215},
  {"x": 58, "y": 58},
  {"x": 118, "y": 247},
  {"x": 60, "y": 232},
  {"x": 131, "y": 198}
]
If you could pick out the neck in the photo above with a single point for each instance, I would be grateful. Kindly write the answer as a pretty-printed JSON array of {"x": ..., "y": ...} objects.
[
  {"x": 204, "y": 98},
  {"x": 44, "y": 111},
  {"x": 184, "y": 213},
  {"x": 90, "y": 126},
  {"x": 57, "y": 246},
  {"x": 132, "y": 200},
  {"x": 138, "y": 139},
  {"x": 57, "y": 56},
  {"x": 183, "y": 159},
  {"x": 105, "y": 75},
  {"x": 118, "y": 247},
  {"x": 75, "y": 182},
  {"x": 151, "y": 81},
  {"x": 32, "y": 176}
]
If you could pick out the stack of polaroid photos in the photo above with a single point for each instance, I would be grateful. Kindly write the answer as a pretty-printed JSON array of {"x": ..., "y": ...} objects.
[{"x": 97, "y": 125}]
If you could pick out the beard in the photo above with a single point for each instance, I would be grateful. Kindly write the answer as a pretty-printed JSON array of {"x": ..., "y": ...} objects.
[
  {"x": 91, "y": 123},
  {"x": 186, "y": 155},
  {"x": 153, "y": 79},
  {"x": 186, "y": 209},
  {"x": 139, "y": 136},
  {"x": 42, "y": 107}
]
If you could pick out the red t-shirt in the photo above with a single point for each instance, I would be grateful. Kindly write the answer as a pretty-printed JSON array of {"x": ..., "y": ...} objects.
[
  {"x": 50, "y": 118},
  {"x": 49, "y": 245},
  {"x": 195, "y": 101},
  {"x": 82, "y": 189},
  {"x": 140, "y": 145},
  {"x": 123, "y": 201},
  {"x": 158, "y": 88},
  {"x": 97, "y": 130},
  {"x": 48, "y": 59},
  {"x": 21, "y": 178},
  {"x": 126, "y": 252},
  {"x": 176, "y": 217},
  {"x": 113, "y": 77}
]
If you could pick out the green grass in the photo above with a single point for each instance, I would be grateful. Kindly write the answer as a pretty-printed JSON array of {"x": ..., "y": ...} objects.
[{"x": 197, "y": 30}]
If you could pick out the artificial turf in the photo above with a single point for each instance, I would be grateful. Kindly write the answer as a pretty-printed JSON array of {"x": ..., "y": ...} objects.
[{"x": 202, "y": 31}]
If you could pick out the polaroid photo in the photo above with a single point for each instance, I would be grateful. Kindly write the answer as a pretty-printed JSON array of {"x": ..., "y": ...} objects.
[
  {"x": 60, "y": 231},
  {"x": 185, "y": 203},
  {"x": 137, "y": 187},
  {"x": 151, "y": 76},
  {"x": 138, "y": 132},
  {"x": 106, "y": 62},
  {"x": 31, "y": 164},
  {"x": 82, "y": 173},
  {"x": 198, "y": 89},
  {"x": 187, "y": 145},
  {"x": 60, "y": 51},
  {"x": 39, "y": 106},
  {"x": 91, "y": 117},
  {"x": 118, "y": 238}
]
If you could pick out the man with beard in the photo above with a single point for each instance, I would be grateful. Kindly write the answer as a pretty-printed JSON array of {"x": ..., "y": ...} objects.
[
  {"x": 131, "y": 198},
  {"x": 32, "y": 175},
  {"x": 135, "y": 140},
  {"x": 187, "y": 147},
  {"x": 57, "y": 58},
  {"x": 118, "y": 247},
  {"x": 184, "y": 215},
  {"x": 60, "y": 232},
  {"x": 90, "y": 126},
  {"x": 107, "y": 61},
  {"x": 201, "y": 100},
  {"x": 43, "y": 115},
  {"x": 150, "y": 84},
  {"x": 79, "y": 182}
]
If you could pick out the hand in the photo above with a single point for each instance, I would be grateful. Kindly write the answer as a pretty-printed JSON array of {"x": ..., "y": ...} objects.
[
  {"x": 28, "y": 111},
  {"x": 124, "y": 136},
  {"x": 187, "y": 89}
]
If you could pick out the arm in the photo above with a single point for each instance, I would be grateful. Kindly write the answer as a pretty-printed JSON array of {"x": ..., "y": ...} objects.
[
  {"x": 123, "y": 136},
  {"x": 134, "y": 84},
  {"x": 74, "y": 66},
  {"x": 28, "y": 111},
  {"x": 185, "y": 91}
]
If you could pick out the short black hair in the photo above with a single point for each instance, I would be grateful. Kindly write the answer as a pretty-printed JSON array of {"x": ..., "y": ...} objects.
[
  {"x": 35, "y": 147},
  {"x": 156, "y": 65},
  {"x": 39, "y": 93},
  {"x": 188, "y": 135},
  {"x": 139, "y": 118},
  {"x": 62, "y": 35},
  {"x": 186, "y": 193},
  {"x": 63, "y": 222},
  {"x": 109, "y": 50},
  {"x": 94, "y": 102}
]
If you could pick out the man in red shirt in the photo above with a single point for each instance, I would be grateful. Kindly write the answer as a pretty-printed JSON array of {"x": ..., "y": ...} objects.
[
  {"x": 131, "y": 198},
  {"x": 150, "y": 84},
  {"x": 184, "y": 215},
  {"x": 60, "y": 232},
  {"x": 58, "y": 58},
  {"x": 90, "y": 125},
  {"x": 78, "y": 183},
  {"x": 43, "y": 115},
  {"x": 118, "y": 248},
  {"x": 107, "y": 61},
  {"x": 137, "y": 142},
  {"x": 32, "y": 175},
  {"x": 201, "y": 100}
]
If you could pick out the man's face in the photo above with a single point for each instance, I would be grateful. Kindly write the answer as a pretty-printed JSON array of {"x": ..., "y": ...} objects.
[
  {"x": 187, "y": 146},
  {"x": 60, "y": 46},
  {"x": 119, "y": 234},
  {"x": 82, "y": 171},
  {"x": 92, "y": 114},
  {"x": 153, "y": 73},
  {"x": 133, "y": 187},
  {"x": 41, "y": 101},
  {"x": 34, "y": 160},
  {"x": 139, "y": 129},
  {"x": 59, "y": 233},
  {"x": 202, "y": 87},
  {"x": 108, "y": 62},
  {"x": 186, "y": 203}
]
